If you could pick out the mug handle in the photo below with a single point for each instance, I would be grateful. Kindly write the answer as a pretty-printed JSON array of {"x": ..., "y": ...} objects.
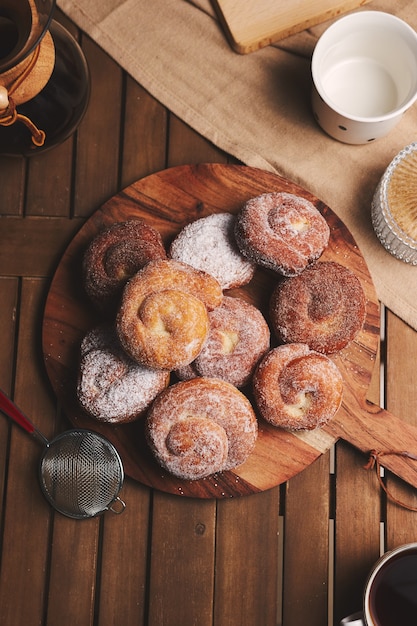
[{"x": 354, "y": 620}]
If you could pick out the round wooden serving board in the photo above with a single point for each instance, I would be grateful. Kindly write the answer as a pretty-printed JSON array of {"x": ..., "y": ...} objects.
[{"x": 168, "y": 200}]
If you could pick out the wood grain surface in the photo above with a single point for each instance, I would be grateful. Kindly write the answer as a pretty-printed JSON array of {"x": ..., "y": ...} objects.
[
  {"x": 167, "y": 201},
  {"x": 253, "y": 24}
]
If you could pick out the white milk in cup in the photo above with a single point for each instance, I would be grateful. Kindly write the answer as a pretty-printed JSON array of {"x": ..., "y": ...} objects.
[{"x": 364, "y": 70}]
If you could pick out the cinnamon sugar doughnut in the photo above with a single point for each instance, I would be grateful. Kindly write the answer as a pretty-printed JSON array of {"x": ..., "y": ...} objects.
[
  {"x": 209, "y": 244},
  {"x": 163, "y": 318},
  {"x": 282, "y": 232},
  {"x": 296, "y": 388},
  {"x": 239, "y": 336},
  {"x": 116, "y": 254},
  {"x": 323, "y": 307},
  {"x": 111, "y": 387},
  {"x": 199, "y": 427}
]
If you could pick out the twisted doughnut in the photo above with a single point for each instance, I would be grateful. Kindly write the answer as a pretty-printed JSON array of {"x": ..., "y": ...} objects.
[
  {"x": 111, "y": 387},
  {"x": 323, "y": 307},
  {"x": 239, "y": 336},
  {"x": 282, "y": 232},
  {"x": 200, "y": 427},
  {"x": 296, "y": 388},
  {"x": 116, "y": 254},
  {"x": 209, "y": 244},
  {"x": 163, "y": 318}
]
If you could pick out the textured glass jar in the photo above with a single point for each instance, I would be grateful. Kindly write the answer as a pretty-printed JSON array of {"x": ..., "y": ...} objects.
[
  {"x": 43, "y": 76},
  {"x": 394, "y": 206}
]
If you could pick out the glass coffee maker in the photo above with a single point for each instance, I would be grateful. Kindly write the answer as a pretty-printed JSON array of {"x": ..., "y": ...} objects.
[{"x": 44, "y": 78}]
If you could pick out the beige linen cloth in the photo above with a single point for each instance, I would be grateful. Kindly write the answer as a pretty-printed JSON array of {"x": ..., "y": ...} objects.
[{"x": 257, "y": 108}]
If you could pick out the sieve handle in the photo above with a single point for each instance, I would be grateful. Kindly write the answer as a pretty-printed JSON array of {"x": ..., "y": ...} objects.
[
  {"x": 14, "y": 413},
  {"x": 119, "y": 507}
]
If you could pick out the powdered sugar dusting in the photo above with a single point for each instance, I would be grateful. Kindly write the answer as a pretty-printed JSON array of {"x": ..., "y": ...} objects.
[
  {"x": 193, "y": 419},
  {"x": 111, "y": 387},
  {"x": 209, "y": 244}
]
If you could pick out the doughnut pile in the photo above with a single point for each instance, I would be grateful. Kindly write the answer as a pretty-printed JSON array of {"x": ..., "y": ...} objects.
[
  {"x": 282, "y": 232},
  {"x": 199, "y": 427},
  {"x": 163, "y": 318},
  {"x": 209, "y": 244},
  {"x": 239, "y": 336},
  {"x": 115, "y": 255},
  {"x": 111, "y": 387},
  {"x": 296, "y": 388},
  {"x": 185, "y": 353},
  {"x": 323, "y": 307}
]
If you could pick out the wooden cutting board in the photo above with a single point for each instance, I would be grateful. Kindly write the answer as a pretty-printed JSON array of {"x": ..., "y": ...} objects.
[
  {"x": 253, "y": 24},
  {"x": 168, "y": 200}
]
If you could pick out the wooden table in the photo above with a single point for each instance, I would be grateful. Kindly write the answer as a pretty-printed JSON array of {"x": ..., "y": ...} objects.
[{"x": 296, "y": 554}]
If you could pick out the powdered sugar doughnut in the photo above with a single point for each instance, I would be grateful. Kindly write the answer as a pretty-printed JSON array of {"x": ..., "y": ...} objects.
[
  {"x": 239, "y": 336},
  {"x": 198, "y": 427},
  {"x": 163, "y": 318},
  {"x": 296, "y": 388},
  {"x": 282, "y": 232},
  {"x": 116, "y": 254},
  {"x": 209, "y": 244},
  {"x": 323, "y": 307},
  {"x": 111, "y": 387}
]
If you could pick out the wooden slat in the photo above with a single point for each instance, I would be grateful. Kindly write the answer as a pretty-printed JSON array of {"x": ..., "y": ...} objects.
[
  {"x": 247, "y": 560},
  {"x": 8, "y": 298},
  {"x": 357, "y": 520},
  {"x": 182, "y": 561},
  {"x": 357, "y": 529},
  {"x": 124, "y": 560},
  {"x": 27, "y": 515},
  {"x": 49, "y": 182},
  {"x": 401, "y": 387},
  {"x": 73, "y": 571},
  {"x": 12, "y": 185},
  {"x": 9, "y": 288},
  {"x": 33, "y": 246},
  {"x": 307, "y": 512},
  {"x": 96, "y": 176},
  {"x": 144, "y": 134},
  {"x": 186, "y": 146}
]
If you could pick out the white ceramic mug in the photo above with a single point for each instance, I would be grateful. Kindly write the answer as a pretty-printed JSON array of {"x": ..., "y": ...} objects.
[
  {"x": 364, "y": 70},
  {"x": 390, "y": 597}
]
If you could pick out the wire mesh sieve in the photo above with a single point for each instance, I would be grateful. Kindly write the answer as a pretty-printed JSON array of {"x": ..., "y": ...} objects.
[{"x": 81, "y": 472}]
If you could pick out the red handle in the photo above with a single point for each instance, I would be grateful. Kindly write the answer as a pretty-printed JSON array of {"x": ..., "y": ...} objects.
[{"x": 11, "y": 410}]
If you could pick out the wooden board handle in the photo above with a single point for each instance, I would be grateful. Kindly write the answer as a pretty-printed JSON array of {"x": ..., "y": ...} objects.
[{"x": 367, "y": 427}]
